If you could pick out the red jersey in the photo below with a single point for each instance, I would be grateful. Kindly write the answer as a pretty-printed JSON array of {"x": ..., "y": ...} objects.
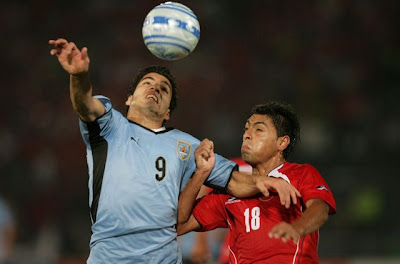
[{"x": 250, "y": 219}]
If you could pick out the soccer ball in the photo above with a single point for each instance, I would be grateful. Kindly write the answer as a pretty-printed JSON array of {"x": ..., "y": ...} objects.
[{"x": 171, "y": 31}]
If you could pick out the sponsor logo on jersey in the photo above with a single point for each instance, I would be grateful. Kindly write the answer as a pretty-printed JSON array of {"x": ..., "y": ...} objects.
[
  {"x": 322, "y": 187},
  {"x": 183, "y": 149},
  {"x": 232, "y": 200}
]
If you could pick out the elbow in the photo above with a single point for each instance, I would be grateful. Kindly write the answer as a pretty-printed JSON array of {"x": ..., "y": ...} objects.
[
  {"x": 180, "y": 225},
  {"x": 325, "y": 214},
  {"x": 181, "y": 229},
  {"x": 324, "y": 218}
]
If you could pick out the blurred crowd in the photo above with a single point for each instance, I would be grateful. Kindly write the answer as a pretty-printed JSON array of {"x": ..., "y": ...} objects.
[{"x": 337, "y": 62}]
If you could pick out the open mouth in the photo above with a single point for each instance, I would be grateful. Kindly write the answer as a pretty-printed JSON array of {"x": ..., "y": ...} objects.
[{"x": 153, "y": 97}]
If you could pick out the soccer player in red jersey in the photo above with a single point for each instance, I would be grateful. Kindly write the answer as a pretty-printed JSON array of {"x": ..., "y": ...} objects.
[{"x": 261, "y": 229}]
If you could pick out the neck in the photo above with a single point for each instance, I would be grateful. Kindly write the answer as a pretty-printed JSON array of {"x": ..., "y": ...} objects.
[
  {"x": 266, "y": 167},
  {"x": 149, "y": 121}
]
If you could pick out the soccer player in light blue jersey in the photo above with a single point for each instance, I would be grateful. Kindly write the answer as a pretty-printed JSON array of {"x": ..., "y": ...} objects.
[{"x": 137, "y": 167}]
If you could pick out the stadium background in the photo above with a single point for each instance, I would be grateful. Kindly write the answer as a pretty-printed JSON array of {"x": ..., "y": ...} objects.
[{"x": 337, "y": 62}]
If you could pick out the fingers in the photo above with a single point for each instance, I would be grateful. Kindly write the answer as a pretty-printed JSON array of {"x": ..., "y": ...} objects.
[
  {"x": 294, "y": 194},
  {"x": 58, "y": 42},
  {"x": 205, "y": 149},
  {"x": 84, "y": 53},
  {"x": 62, "y": 46},
  {"x": 207, "y": 144},
  {"x": 58, "y": 45},
  {"x": 285, "y": 201},
  {"x": 288, "y": 197},
  {"x": 285, "y": 232},
  {"x": 69, "y": 48},
  {"x": 291, "y": 196},
  {"x": 263, "y": 188},
  {"x": 65, "y": 53},
  {"x": 284, "y": 190},
  {"x": 265, "y": 192},
  {"x": 287, "y": 193}
]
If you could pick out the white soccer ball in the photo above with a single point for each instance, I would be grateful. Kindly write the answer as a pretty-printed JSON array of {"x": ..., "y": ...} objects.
[{"x": 171, "y": 31}]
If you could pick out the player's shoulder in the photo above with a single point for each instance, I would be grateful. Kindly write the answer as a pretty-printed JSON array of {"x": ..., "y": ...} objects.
[
  {"x": 182, "y": 136},
  {"x": 298, "y": 168},
  {"x": 109, "y": 108},
  {"x": 105, "y": 101}
]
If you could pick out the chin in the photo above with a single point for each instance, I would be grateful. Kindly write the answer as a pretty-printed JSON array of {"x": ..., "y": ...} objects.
[{"x": 247, "y": 158}]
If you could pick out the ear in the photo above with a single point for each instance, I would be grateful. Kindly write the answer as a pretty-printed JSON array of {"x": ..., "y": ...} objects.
[
  {"x": 167, "y": 115},
  {"x": 283, "y": 142},
  {"x": 129, "y": 100}
]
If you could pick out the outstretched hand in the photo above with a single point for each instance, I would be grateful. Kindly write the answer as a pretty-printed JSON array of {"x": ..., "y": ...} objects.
[
  {"x": 287, "y": 193},
  {"x": 73, "y": 60}
]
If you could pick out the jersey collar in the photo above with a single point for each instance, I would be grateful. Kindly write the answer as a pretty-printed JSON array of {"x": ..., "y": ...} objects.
[{"x": 155, "y": 131}]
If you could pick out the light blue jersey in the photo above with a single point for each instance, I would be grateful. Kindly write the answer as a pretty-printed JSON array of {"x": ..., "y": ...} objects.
[{"x": 135, "y": 177}]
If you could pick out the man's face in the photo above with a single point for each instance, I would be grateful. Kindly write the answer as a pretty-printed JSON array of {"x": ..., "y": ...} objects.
[
  {"x": 260, "y": 140},
  {"x": 153, "y": 93}
]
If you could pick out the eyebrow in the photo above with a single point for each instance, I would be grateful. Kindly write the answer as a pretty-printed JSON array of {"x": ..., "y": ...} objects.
[
  {"x": 257, "y": 123},
  {"x": 151, "y": 78}
]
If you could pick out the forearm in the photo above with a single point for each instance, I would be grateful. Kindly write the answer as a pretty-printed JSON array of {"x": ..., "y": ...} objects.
[
  {"x": 188, "y": 197},
  {"x": 313, "y": 218},
  {"x": 87, "y": 107},
  {"x": 242, "y": 185},
  {"x": 186, "y": 221}
]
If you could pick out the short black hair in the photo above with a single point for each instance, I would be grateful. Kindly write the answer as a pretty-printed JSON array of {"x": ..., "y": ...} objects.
[
  {"x": 285, "y": 121},
  {"x": 162, "y": 70}
]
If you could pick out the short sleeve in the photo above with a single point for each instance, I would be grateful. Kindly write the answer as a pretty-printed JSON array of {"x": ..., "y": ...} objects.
[
  {"x": 210, "y": 212},
  {"x": 221, "y": 173},
  {"x": 313, "y": 186},
  {"x": 102, "y": 126}
]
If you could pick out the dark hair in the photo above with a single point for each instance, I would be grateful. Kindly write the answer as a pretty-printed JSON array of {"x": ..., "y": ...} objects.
[
  {"x": 164, "y": 71},
  {"x": 284, "y": 120}
]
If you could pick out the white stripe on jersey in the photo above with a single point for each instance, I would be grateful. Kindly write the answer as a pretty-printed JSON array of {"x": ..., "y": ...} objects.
[
  {"x": 233, "y": 254},
  {"x": 297, "y": 250},
  {"x": 276, "y": 174}
]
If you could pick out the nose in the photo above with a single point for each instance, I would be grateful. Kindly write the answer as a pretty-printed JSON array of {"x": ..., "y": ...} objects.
[
  {"x": 156, "y": 86},
  {"x": 247, "y": 134}
]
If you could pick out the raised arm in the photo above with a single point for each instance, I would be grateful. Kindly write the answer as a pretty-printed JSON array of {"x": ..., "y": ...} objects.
[
  {"x": 205, "y": 161},
  {"x": 76, "y": 63},
  {"x": 315, "y": 215},
  {"x": 245, "y": 185}
]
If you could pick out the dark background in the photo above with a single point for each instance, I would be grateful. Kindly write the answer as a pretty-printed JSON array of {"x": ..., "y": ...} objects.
[{"x": 336, "y": 62}]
